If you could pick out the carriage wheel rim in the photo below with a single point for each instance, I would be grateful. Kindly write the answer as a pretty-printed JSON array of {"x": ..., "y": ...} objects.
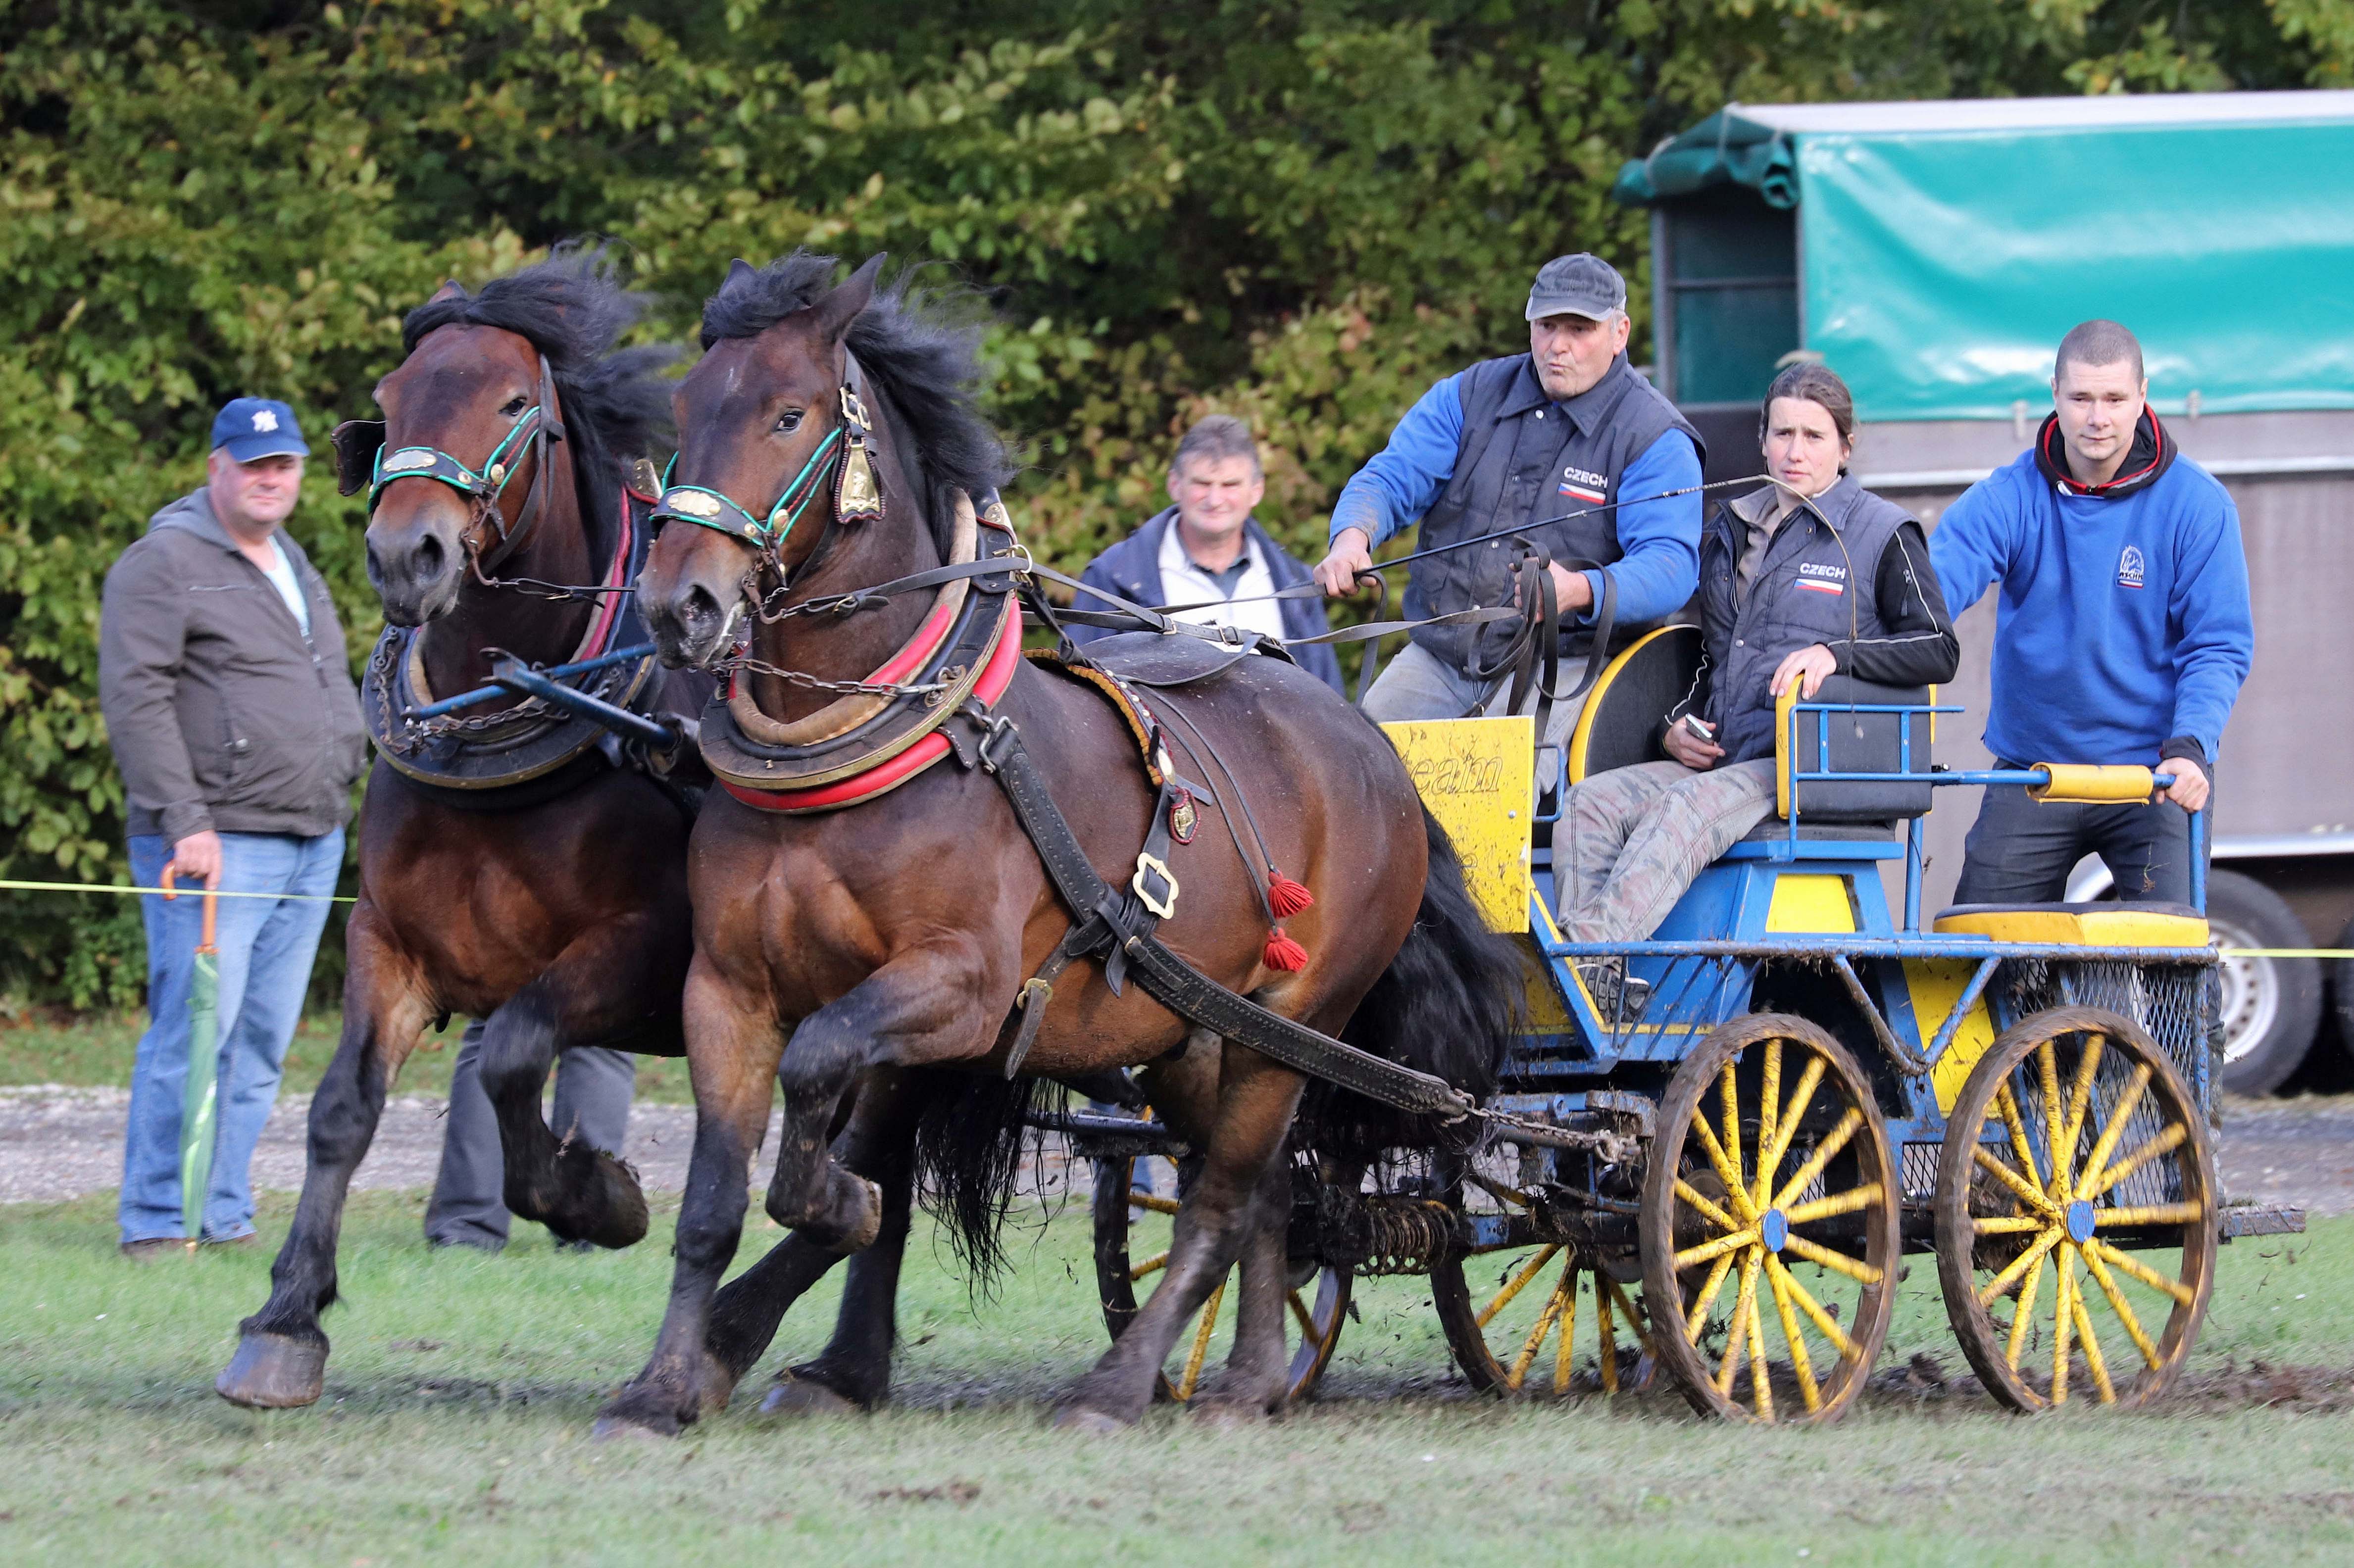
[
  {"x": 1814, "y": 1201},
  {"x": 2090, "y": 1318}
]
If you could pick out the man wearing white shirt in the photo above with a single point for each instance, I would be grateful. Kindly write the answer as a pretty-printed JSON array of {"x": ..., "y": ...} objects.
[{"x": 1207, "y": 551}]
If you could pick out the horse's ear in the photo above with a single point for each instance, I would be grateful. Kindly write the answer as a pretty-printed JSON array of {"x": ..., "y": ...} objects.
[
  {"x": 737, "y": 270},
  {"x": 449, "y": 291},
  {"x": 839, "y": 307}
]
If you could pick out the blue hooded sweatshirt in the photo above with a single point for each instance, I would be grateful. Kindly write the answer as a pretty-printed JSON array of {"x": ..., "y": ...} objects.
[{"x": 2122, "y": 628}]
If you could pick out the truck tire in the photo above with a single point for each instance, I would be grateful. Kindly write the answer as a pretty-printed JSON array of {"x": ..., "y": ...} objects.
[
  {"x": 2341, "y": 986},
  {"x": 2270, "y": 1007}
]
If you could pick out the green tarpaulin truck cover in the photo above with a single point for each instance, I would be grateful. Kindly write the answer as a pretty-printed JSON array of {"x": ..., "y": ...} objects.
[{"x": 1945, "y": 247}]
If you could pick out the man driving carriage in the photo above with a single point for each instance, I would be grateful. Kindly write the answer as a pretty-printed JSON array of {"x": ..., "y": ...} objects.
[
  {"x": 1562, "y": 446},
  {"x": 1809, "y": 577}
]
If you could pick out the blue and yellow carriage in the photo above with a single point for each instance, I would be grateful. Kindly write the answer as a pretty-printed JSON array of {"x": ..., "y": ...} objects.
[{"x": 1722, "y": 1142}]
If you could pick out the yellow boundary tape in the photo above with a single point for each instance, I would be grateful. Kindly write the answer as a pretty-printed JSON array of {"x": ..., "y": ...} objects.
[{"x": 191, "y": 890}]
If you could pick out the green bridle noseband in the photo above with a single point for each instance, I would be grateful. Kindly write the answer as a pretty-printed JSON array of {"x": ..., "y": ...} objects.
[{"x": 841, "y": 457}]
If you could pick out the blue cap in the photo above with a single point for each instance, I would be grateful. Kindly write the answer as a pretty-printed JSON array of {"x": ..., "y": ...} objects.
[{"x": 254, "y": 428}]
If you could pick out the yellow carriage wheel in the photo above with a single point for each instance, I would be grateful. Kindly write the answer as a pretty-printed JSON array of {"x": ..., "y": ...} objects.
[
  {"x": 2083, "y": 1276},
  {"x": 1769, "y": 1225},
  {"x": 1135, "y": 1209},
  {"x": 1541, "y": 1321}
]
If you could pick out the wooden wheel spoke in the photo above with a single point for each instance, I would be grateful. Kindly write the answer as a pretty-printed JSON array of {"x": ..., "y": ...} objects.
[
  {"x": 1693, "y": 1256},
  {"x": 2008, "y": 1224},
  {"x": 2151, "y": 1214},
  {"x": 2099, "y": 1182},
  {"x": 1519, "y": 1282},
  {"x": 2119, "y": 1116},
  {"x": 1697, "y": 1318},
  {"x": 1736, "y": 1339},
  {"x": 2125, "y": 1263},
  {"x": 1153, "y": 1264},
  {"x": 1785, "y": 1122},
  {"x": 1153, "y": 1203},
  {"x": 1626, "y": 1309},
  {"x": 1834, "y": 1204},
  {"x": 1735, "y": 1192},
  {"x": 2062, "y": 1321},
  {"x": 1761, "y": 1384},
  {"x": 2092, "y": 1357},
  {"x": 1813, "y": 1308},
  {"x": 1793, "y": 1336},
  {"x": 1709, "y": 1211},
  {"x": 1607, "y": 1330},
  {"x": 2007, "y": 1104},
  {"x": 1836, "y": 1262},
  {"x": 1729, "y": 1094},
  {"x": 1545, "y": 1320},
  {"x": 2121, "y": 1307},
  {"x": 1190, "y": 1378},
  {"x": 1825, "y": 1152},
  {"x": 1562, "y": 1350},
  {"x": 2023, "y": 1315},
  {"x": 2020, "y": 1265},
  {"x": 2028, "y": 1193},
  {"x": 1307, "y": 1318},
  {"x": 1769, "y": 1113},
  {"x": 2080, "y": 1098},
  {"x": 2047, "y": 1075}
]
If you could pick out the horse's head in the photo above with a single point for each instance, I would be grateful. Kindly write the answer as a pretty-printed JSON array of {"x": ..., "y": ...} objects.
[
  {"x": 469, "y": 402},
  {"x": 760, "y": 423}
]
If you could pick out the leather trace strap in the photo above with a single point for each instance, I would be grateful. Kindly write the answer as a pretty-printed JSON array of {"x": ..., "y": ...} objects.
[{"x": 1104, "y": 928}]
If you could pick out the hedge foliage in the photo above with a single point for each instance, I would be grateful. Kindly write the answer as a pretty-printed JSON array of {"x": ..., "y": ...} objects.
[{"x": 1298, "y": 210}]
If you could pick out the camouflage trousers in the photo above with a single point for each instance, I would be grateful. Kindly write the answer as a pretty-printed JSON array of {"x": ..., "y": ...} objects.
[{"x": 1631, "y": 839}]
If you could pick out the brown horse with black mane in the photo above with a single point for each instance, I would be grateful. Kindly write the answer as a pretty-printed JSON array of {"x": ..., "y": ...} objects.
[
  {"x": 870, "y": 919},
  {"x": 516, "y": 864}
]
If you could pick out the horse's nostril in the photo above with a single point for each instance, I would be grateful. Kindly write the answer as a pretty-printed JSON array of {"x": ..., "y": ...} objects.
[
  {"x": 429, "y": 559},
  {"x": 699, "y": 607}
]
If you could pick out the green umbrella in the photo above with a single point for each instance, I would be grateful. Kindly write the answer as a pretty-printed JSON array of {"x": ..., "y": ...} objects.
[{"x": 201, "y": 1096}]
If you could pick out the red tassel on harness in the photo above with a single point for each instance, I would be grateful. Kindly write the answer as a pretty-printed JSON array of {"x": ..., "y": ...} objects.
[
  {"x": 1285, "y": 896},
  {"x": 1282, "y": 953}
]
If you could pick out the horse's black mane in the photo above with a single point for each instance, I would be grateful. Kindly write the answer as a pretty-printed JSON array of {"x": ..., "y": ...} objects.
[
  {"x": 573, "y": 309},
  {"x": 921, "y": 352}
]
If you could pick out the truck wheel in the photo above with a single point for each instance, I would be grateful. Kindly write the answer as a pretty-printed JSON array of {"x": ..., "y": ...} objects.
[
  {"x": 2270, "y": 1007},
  {"x": 2341, "y": 985}
]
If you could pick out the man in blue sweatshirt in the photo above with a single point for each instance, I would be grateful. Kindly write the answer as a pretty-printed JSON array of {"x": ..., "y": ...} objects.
[
  {"x": 1564, "y": 443},
  {"x": 2122, "y": 633}
]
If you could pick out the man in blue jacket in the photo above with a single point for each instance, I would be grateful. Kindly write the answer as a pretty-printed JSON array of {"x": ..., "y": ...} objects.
[
  {"x": 1564, "y": 443},
  {"x": 2122, "y": 633},
  {"x": 1207, "y": 550}
]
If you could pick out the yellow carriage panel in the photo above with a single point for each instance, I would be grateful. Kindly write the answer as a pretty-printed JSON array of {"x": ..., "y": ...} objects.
[{"x": 1478, "y": 775}]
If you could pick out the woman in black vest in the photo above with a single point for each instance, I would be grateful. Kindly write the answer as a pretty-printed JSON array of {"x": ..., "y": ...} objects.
[{"x": 1810, "y": 575}]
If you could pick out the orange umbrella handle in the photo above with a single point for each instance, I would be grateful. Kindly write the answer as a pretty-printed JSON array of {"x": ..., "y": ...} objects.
[{"x": 212, "y": 909}]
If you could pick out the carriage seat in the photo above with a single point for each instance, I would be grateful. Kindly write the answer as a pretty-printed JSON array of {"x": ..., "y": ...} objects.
[
  {"x": 2102, "y": 925},
  {"x": 1859, "y": 743}
]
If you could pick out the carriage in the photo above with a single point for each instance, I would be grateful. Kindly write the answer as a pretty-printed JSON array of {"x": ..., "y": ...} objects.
[{"x": 1717, "y": 1146}]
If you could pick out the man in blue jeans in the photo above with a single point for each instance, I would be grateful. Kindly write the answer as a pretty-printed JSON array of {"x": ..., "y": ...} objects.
[
  {"x": 2122, "y": 628},
  {"x": 233, "y": 716}
]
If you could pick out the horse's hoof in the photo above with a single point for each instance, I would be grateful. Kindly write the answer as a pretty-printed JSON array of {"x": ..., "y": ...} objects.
[
  {"x": 800, "y": 1396},
  {"x": 1093, "y": 1422},
  {"x": 620, "y": 1429},
  {"x": 275, "y": 1371}
]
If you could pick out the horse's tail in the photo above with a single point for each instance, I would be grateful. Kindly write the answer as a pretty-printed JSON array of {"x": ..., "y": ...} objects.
[
  {"x": 1448, "y": 1004},
  {"x": 969, "y": 1140}
]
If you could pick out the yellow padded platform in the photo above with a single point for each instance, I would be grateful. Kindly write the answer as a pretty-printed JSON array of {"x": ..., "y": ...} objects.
[{"x": 2078, "y": 924}]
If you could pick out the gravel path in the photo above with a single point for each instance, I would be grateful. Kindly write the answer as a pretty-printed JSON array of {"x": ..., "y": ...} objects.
[{"x": 57, "y": 1143}]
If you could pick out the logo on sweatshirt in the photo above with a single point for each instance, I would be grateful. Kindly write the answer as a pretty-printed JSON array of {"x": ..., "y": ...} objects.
[
  {"x": 2129, "y": 568},
  {"x": 1584, "y": 486},
  {"x": 1820, "y": 578}
]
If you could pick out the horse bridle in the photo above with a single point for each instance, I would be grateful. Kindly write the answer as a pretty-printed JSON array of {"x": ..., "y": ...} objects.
[
  {"x": 359, "y": 449},
  {"x": 841, "y": 457}
]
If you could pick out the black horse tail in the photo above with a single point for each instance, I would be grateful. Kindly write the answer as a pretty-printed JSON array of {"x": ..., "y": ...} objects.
[
  {"x": 969, "y": 1137},
  {"x": 1450, "y": 1004}
]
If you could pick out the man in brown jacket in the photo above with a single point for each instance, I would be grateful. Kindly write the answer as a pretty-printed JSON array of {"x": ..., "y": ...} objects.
[{"x": 221, "y": 671}]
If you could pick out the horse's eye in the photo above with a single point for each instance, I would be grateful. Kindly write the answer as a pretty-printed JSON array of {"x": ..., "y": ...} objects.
[
  {"x": 514, "y": 406},
  {"x": 789, "y": 421}
]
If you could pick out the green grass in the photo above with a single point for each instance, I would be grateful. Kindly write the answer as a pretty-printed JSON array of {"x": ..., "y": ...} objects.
[
  {"x": 95, "y": 1050},
  {"x": 455, "y": 1428}
]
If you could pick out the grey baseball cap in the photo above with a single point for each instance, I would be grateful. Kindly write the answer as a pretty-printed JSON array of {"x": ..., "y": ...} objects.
[{"x": 1580, "y": 285}]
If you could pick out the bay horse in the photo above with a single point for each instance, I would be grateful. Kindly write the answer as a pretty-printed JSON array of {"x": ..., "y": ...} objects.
[
  {"x": 512, "y": 867},
  {"x": 842, "y": 952}
]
